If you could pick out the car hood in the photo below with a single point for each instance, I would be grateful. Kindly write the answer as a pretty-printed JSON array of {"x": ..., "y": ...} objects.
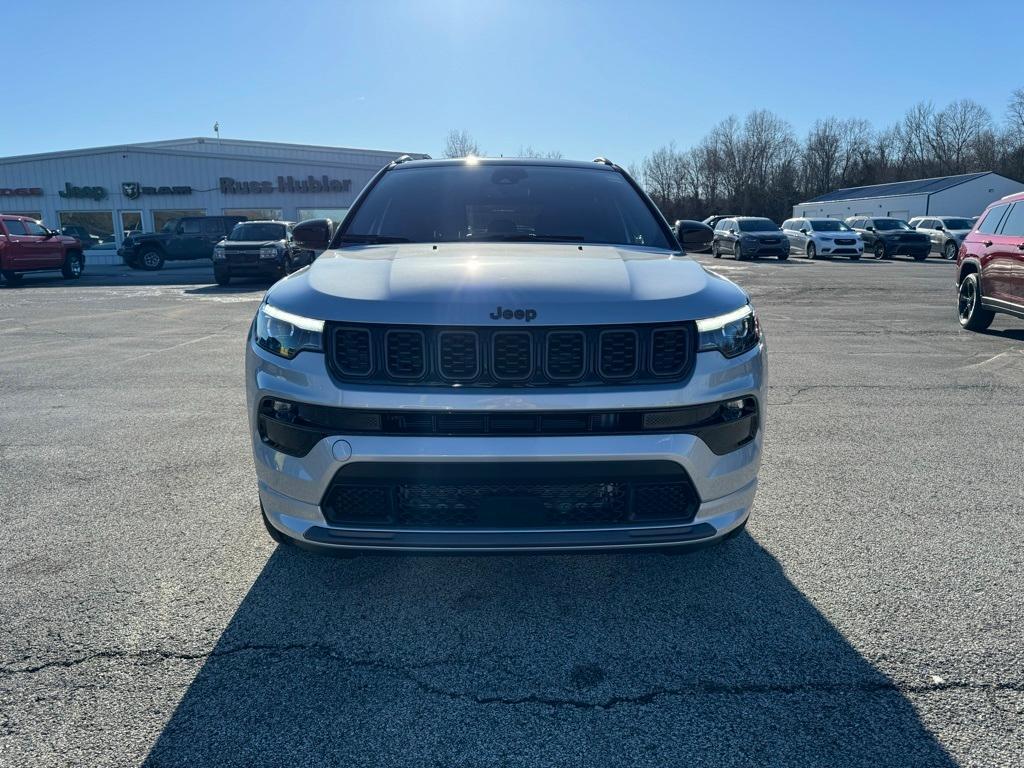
[
  {"x": 465, "y": 284},
  {"x": 249, "y": 244}
]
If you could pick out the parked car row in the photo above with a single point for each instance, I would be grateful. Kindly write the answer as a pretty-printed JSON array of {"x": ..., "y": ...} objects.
[
  {"x": 237, "y": 247},
  {"x": 751, "y": 237}
]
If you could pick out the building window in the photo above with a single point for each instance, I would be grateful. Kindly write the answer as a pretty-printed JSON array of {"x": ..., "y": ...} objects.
[
  {"x": 131, "y": 221},
  {"x": 160, "y": 218},
  {"x": 94, "y": 229},
  {"x": 334, "y": 214},
  {"x": 37, "y": 215},
  {"x": 255, "y": 214}
]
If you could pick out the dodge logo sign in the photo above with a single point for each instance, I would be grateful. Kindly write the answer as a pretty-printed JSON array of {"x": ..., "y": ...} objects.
[{"x": 131, "y": 189}]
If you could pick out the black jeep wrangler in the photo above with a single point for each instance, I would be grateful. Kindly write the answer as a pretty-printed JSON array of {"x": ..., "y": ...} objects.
[{"x": 191, "y": 237}]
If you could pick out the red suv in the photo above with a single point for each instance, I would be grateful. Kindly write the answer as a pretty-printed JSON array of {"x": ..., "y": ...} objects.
[
  {"x": 28, "y": 246},
  {"x": 990, "y": 265}
]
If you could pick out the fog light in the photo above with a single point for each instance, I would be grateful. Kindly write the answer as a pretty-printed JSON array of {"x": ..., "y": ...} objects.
[
  {"x": 733, "y": 409},
  {"x": 284, "y": 411}
]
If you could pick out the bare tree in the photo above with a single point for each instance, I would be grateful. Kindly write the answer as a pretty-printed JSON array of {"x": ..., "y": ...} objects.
[
  {"x": 461, "y": 144},
  {"x": 529, "y": 151},
  {"x": 954, "y": 132}
]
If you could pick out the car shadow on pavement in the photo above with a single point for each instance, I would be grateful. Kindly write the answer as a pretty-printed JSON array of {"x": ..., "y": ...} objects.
[{"x": 713, "y": 658}]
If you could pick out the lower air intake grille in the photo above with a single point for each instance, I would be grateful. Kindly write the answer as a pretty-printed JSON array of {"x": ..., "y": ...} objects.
[{"x": 510, "y": 495}]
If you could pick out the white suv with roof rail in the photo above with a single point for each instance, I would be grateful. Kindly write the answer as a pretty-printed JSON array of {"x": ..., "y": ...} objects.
[{"x": 504, "y": 355}]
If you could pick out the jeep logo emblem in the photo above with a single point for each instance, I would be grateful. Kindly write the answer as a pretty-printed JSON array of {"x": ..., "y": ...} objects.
[{"x": 514, "y": 314}]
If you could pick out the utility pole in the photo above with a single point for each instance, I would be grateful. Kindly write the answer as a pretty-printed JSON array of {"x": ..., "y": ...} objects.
[{"x": 216, "y": 130}]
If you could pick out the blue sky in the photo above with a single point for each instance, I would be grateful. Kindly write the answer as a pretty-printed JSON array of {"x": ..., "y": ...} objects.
[{"x": 598, "y": 78}]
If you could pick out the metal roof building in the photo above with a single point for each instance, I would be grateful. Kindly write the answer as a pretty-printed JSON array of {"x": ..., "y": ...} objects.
[
  {"x": 99, "y": 194},
  {"x": 964, "y": 195}
]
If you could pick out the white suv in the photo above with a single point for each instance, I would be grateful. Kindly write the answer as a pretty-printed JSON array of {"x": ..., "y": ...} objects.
[
  {"x": 504, "y": 355},
  {"x": 822, "y": 237}
]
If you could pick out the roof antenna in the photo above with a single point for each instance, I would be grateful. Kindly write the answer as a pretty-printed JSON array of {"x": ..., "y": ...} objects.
[{"x": 216, "y": 130}]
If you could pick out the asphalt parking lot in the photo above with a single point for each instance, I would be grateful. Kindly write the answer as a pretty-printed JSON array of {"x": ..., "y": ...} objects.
[{"x": 872, "y": 616}]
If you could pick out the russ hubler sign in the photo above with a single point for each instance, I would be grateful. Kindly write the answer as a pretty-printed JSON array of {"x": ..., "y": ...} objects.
[{"x": 288, "y": 184}]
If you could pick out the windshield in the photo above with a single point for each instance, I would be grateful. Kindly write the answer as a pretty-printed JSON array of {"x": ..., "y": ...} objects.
[
  {"x": 170, "y": 226},
  {"x": 257, "y": 231},
  {"x": 757, "y": 225},
  {"x": 891, "y": 224},
  {"x": 828, "y": 225},
  {"x": 505, "y": 203},
  {"x": 957, "y": 223}
]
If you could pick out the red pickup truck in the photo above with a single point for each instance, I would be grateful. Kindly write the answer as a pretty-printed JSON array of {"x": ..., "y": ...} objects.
[{"x": 28, "y": 246}]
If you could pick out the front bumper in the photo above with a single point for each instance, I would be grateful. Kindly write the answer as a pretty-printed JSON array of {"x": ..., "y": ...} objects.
[
  {"x": 292, "y": 488},
  {"x": 254, "y": 268}
]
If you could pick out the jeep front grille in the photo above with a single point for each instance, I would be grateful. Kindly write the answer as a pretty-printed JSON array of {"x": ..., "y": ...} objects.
[
  {"x": 496, "y": 357},
  {"x": 510, "y": 495}
]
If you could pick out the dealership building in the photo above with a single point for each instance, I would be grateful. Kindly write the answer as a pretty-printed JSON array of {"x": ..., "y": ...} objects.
[
  {"x": 966, "y": 194},
  {"x": 101, "y": 194}
]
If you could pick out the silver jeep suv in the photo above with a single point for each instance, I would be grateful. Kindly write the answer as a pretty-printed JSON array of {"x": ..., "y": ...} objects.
[{"x": 504, "y": 355}]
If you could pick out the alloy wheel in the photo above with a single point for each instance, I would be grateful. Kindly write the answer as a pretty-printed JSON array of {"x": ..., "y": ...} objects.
[{"x": 967, "y": 300}]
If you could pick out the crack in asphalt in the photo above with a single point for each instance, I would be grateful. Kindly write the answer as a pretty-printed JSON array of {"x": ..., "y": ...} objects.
[{"x": 407, "y": 672}]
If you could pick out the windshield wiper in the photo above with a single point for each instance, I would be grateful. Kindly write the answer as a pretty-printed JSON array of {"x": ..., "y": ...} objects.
[
  {"x": 372, "y": 239},
  {"x": 522, "y": 237}
]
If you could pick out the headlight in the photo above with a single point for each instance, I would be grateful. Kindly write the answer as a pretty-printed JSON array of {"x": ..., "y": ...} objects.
[
  {"x": 285, "y": 334},
  {"x": 731, "y": 334},
  {"x": 269, "y": 252},
  {"x": 218, "y": 253}
]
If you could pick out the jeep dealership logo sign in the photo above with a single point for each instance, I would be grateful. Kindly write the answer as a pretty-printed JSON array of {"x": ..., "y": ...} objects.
[
  {"x": 310, "y": 184},
  {"x": 132, "y": 190},
  {"x": 87, "y": 193}
]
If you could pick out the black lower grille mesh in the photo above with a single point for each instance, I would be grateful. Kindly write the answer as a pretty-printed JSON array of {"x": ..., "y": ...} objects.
[{"x": 521, "y": 502}]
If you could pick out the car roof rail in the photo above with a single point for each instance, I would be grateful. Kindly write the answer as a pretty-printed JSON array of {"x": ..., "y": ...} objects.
[{"x": 604, "y": 161}]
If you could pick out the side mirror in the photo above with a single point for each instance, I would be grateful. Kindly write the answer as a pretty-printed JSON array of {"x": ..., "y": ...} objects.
[
  {"x": 314, "y": 233},
  {"x": 803, "y": 230},
  {"x": 939, "y": 227},
  {"x": 694, "y": 234},
  {"x": 869, "y": 228},
  {"x": 49, "y": 233}
]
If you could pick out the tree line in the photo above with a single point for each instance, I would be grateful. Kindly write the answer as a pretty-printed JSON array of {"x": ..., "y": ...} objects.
[{"x": 759, "y": 166}]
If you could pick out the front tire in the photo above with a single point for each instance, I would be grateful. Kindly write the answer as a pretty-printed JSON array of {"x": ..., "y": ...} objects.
[
  {"x": 715, "y": 252},
  {"x": 973, "y": 316},
  {"x": 812, "y": 251},
  {"x": 151, "y": 260},
  {"x": 783, "y": 256},
  {"x": 854, "y": 257},
  {"x": 222, "y": 275},
  {"x": 12, "y": 278},
  {"x": 920, "y": 256},
  {"x": 949, "y": 251},
  {"x": 880, "y": 250},
  {"x": 73, "y": 266},
  {"x": 737, "y": 252}
]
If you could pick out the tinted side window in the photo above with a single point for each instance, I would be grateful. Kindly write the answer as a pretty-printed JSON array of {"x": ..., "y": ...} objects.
[
  {"x": 789, "y": 224},
  {"x": 15, "y": 227},
  {"x": 213, "y": 226},
  {"x": 190, "y": 226},
  {"x": 34, "y": 229},
  {"x": 1013, "y": 224},
  {"x": 992, "y": 219}
]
